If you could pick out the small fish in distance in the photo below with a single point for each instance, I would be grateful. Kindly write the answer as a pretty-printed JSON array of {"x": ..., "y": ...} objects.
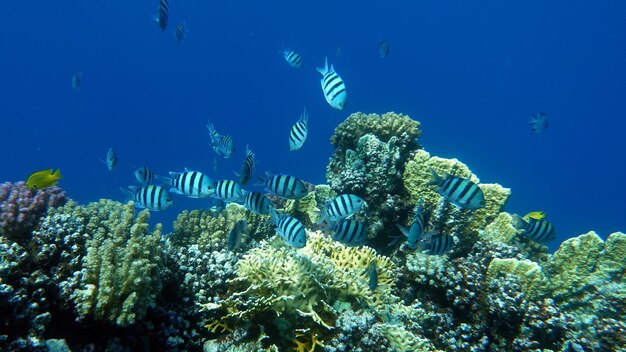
[{"x": 539, "y": 122}]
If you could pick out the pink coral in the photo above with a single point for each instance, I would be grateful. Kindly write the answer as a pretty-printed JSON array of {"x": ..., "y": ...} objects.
[{"x": 21, "y": 208}]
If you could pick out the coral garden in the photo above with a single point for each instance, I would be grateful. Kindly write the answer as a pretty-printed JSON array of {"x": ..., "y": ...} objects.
[{"x": 97, "y": 277}]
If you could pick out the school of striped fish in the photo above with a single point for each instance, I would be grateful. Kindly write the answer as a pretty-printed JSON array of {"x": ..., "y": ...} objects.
[{"x": 337, "y": 215}]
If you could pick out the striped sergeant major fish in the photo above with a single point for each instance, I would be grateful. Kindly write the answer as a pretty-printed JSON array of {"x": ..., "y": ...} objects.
[
  {"x": 351, "y": 233},
  {"x": 342, "y": 207},
  {"x": 299, "y": 131},
  {"x": 144, "y": 175},
  {"x": 540, "y": 231},
  {"x": 111, "y": 160},
  {"x": 257, "y": 203},
  {"x": 247, "y": 168},
  {"x": 163, "y": 13},
  {"x": 437, "y": 244},
  {"x": 293, "y": 58},
  {"x": 193, "y": 184},
  {"x": 228, "y": 191},
  {"x": 149, "y": 197},
  {"x": 289, "y": 228},
  {"x": 236, "y": 234},
  {"x": 285, "y": 186},
  {"x": 181, "y": 32},
  {"x": 459, "y": 191},
  {"x": 333, "y": 87},
  {"x": 414, "y": 233},
  {"x": 223, "y": 145}
]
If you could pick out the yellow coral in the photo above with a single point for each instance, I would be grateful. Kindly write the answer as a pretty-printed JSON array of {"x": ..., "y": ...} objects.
[
  {"x": 210, "y": 229},
  {"x": 284, "y": 280},
  {"x": 417, "y": 175},
  {"x": 587, "y": 260},
  {"x": 501, "y": 229},
  {"x": 531, "y": 278}
]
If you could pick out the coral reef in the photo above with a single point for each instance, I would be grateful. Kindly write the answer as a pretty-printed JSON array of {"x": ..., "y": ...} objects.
[
  {"x": 95, "y": 277},
  {"x": 371, "y": 152},
  {"x": 22, "y": 208}
]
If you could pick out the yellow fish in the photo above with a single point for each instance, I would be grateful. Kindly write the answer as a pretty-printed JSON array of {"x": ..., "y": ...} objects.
[
  {"x": 537, "y": 215},
  {"x": 44, "y": 178}
]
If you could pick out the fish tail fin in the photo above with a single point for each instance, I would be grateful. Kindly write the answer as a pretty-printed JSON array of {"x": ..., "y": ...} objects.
[
  {"x": 57, "y": 174},
  {"x": 273, "y": 220},
  {"x": 437, "y": 180},
  {"x": 129, "y": 192},
  {"x": 325, "y": 69}
]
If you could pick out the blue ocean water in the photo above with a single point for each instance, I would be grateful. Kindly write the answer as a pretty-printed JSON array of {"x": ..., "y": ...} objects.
[{"x": 470, "y": 72}]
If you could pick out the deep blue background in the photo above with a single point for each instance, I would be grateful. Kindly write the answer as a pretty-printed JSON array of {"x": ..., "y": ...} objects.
[{"x": 470, "y": 72}]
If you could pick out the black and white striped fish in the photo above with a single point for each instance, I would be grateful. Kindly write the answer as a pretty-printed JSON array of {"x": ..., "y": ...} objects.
[
  {"x": 299, "y": 131},
  {"x": 289, "y": 228},
  {"x": 342, "y": 207},
  {"x": 181, "y": 32},
  {"x": 285, "y": 186},
  {"x": 333, "y": 87},
  {"x": 193, "y": 184},
  {"x": 144, "y": 175},
  {"x": 236, "y": 234},
  {"x": 461, "y": 192},
  {"x": 228, "y": 191},
  {"x": 223, "y": 145},
  {"x": 437, "y": 244},
  {"x": 352, "y": 233},
  {"x": 414, "y": 233},
  {"x": 163, "y": 13},
  {"x": 293, "y": 58},
  {"x": 540, "y": 231},
  {"x": 257, "y": 203},
  {"x": 247, "y": 168},
  {"x": 149, "y": 197}
]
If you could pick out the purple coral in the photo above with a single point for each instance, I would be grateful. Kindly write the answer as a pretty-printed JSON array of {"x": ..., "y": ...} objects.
[{"x": 21, "y": 208}]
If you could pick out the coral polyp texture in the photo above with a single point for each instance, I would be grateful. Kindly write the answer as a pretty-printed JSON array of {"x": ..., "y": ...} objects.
[
  {"x": 104, "y": 271},
  {"x": 22, "y": 208}
]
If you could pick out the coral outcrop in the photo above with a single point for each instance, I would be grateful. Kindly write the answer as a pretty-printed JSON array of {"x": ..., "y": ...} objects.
[{"x": 371, "y": 152}]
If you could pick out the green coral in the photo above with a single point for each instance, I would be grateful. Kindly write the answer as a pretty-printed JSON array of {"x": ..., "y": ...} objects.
[{"x": 120, "y": 275}]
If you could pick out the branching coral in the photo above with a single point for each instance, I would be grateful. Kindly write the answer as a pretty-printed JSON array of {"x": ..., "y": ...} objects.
[
  {"x": 303, "y": 284},
  {"x": 120, "y": 277}
]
